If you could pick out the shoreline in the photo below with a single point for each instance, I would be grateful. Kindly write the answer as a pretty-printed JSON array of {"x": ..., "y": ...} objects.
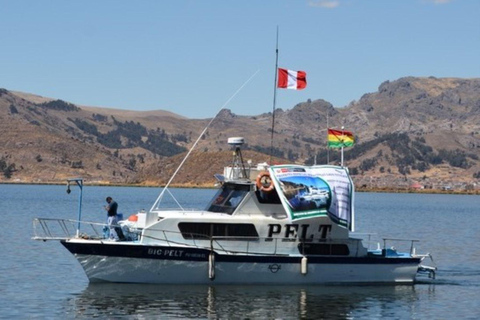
[{"x": 211, "y": 186}]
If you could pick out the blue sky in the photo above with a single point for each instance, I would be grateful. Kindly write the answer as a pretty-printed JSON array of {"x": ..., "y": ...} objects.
[{"x": 190, "y": 57}]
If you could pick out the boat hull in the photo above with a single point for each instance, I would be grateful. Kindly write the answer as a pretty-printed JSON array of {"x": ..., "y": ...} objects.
[{"x": 129, "y": 263}]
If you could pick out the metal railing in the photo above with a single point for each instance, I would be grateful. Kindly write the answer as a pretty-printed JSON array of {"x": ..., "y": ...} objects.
[
  {"x": 388, "y": 243},
  {"x": 390, "y": 240},
  {"x": 62, "y": 229}
]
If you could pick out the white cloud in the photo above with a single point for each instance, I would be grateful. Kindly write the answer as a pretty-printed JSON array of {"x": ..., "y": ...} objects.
[{"x": 329, "y": 4}]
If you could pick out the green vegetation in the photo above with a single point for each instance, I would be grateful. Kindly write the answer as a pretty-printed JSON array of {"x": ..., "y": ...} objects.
[
  {"x": 368, "y": 164},
  {"x": 129, "y": 134},
  {"x": 179, "y": 138},
  {"x": 77, "y": 164},
  {"x": 13, "y": 109},
  {"x": 6, "y": 168},
  {"x": 292, "y": 156},
  {"x": 406, "y": 154},
  {"x": 85, "y": 126},
  {"x": 110, "y": 140},
  {"x": 161, "y": 146},
  {"x": 59, "y": 105},
  {"x": 99, "y": 117},
  {"x": 456, "y": 158},
  {"x": 310, "y": 140}
]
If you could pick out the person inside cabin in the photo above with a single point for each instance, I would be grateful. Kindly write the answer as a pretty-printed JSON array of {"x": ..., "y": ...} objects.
[
  {"x": 222, "y": 196},
  {"x": 235, "y": 198},
  {"x": 111, "y": 208}
]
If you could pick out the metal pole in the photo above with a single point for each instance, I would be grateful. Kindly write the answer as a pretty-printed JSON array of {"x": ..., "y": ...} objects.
[
  {"x": 79, "y": 182},
  {"x": 343, "y": 133},
  {"x": 328, "y": 147},
  {"x": 274, "y": 99}
]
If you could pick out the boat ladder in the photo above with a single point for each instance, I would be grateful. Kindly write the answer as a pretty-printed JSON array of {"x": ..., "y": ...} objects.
[{"x": 426, "y": 269}]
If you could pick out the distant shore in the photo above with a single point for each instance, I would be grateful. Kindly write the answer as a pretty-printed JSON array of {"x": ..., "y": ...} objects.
[
  {"x": 212, "y": 186},
  {"x": 425, "y": 191}
]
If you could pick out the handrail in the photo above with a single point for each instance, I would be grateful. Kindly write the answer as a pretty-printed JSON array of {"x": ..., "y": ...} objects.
[
  {"x": 369, "y": 241},
  {"x": 64, "y": 229},
  {"x": 412, "y": 242}
]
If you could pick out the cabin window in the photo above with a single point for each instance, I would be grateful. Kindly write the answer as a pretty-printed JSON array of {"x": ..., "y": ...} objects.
[
  {"x": 226, "y": 231},
  {"x": 268, "y": 197},
  {"x": 228, "y": 198},
  {"x": 324, "y": 249}
]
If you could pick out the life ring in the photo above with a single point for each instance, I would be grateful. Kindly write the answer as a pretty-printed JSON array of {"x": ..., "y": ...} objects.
[{"x": 264, "y": 182}]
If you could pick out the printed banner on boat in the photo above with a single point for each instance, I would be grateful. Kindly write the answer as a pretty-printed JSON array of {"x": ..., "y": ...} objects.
[
  {"x": 308, "y": 192},
  {"x": 341, "y": 208},
  {"x": 303, "y": 194}
]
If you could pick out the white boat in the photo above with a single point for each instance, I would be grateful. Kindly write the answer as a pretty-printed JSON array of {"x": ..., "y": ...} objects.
[{"x": 278, "y": 224}]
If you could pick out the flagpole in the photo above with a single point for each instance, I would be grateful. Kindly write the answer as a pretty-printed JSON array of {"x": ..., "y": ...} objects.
[
  {"x": 328, "y": 147},
  {"x": 343, "y": 139},
  {"x": 274, "y": 99}
]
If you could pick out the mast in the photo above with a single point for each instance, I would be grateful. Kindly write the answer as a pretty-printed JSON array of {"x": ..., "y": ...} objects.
[{"x": 274, "y": 99}]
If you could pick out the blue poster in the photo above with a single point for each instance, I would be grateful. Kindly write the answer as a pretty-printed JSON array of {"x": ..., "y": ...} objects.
[{"x": 314, "y": 191}]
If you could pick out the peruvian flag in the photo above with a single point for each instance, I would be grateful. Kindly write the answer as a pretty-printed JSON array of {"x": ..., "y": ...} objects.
[{"x": 289, "y": 79}]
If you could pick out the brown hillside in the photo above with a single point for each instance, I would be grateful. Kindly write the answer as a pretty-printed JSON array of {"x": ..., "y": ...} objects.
[
  {"x": 198, "y": 169},
  {"x": 440, "y": 119}
]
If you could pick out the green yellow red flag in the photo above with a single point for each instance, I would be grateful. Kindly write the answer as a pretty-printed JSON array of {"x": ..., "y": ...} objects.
[{"x": 340, "y": 138}]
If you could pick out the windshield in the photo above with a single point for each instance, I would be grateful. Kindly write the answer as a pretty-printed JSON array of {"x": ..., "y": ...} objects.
[{"x": 228, "y": 198}]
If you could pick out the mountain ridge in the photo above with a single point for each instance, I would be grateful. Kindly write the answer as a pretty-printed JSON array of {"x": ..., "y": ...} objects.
[{"x": 411, "y": 130}]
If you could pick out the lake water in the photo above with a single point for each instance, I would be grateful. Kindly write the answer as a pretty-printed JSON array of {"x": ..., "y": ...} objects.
[{"x": 42, "y": 280}]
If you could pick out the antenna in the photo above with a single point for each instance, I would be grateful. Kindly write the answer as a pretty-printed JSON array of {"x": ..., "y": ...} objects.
[
  {"x": 159, "y": 198},
  {"x": 237, "y": 142}
]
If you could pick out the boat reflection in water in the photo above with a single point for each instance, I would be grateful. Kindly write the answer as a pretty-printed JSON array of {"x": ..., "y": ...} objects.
[{"x": 255, "y": 302}]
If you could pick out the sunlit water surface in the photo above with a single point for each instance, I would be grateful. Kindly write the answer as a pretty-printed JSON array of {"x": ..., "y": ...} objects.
[{"x": 42, "y": 280}]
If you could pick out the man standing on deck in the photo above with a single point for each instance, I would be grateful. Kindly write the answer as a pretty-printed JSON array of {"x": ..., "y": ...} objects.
[{"x": 112, "y": 217}]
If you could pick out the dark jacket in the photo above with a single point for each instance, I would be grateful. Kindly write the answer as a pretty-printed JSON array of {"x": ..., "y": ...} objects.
[{"x": 112, "y": 208}]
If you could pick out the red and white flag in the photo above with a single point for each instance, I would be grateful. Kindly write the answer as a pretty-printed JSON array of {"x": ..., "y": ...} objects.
[{"x": 289, "y": 79}]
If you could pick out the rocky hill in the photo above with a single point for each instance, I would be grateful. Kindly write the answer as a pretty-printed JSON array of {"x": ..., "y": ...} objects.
[{"x": 423, "y": 130}]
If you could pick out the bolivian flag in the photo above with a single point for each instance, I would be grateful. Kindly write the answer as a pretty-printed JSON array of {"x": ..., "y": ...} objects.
[{"x": 340, "y": 138}]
